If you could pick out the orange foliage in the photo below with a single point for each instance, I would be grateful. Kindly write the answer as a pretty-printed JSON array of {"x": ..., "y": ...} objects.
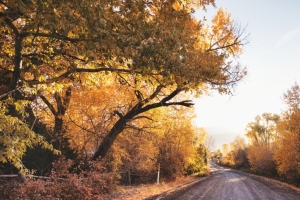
[
  {"x": 235, "y": 155},
  {"x": 287, "y": 156},
  {"x": 261, "y": 159}
]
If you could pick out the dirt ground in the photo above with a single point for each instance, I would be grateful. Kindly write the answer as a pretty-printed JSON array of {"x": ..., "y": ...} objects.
[
  {"x": 153, "y": 191},
  {"x": 221, "y": 184},
  {"x": 235, "y": 185}
]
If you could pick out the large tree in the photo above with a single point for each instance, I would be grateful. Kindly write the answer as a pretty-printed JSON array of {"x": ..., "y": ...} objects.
[
  {"x": 54, "y": 46},
  {"x": 263, "y": 129},
  {"x": 287, "y": 154},
  {"x": 262, "y": 134}
]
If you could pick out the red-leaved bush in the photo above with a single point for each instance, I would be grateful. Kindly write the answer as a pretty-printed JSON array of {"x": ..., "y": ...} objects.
[{"x": 88, "y": 184}]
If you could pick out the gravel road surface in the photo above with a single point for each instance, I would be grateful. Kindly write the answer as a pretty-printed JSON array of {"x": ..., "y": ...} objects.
[{"x": 233, "y": 185}]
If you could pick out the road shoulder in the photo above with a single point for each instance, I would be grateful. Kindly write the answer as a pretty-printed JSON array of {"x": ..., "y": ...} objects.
[{"x": 176, "y": 191}]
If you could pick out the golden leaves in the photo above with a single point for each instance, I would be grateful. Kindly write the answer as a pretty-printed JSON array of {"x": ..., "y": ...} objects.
[
  {"x": 158, "y": 41},
  {"x": 223, "y": 35},
  {"x": 86, "y": 34},
  {"x": 275, "y": 145},
  {"x": 287, "y": 155},
  {"x": 221, "y": 23},
  {"x": 261, "y": 159},
  {"x": 15, "y": 138},
  {"x": 176, "y": 5}
]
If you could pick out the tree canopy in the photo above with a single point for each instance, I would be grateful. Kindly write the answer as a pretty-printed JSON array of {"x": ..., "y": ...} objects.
[
  {"x": 287, "y": 155},
  {"x": 155, "y": 48},
  {"x": 53, "y": 42},
  {"x": 263, "y": 129}
]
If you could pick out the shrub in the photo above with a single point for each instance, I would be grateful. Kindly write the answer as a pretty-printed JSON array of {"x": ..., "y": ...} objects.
[
  {"x": 86, "y": 185},
  {"x": 261, "y": 159}
]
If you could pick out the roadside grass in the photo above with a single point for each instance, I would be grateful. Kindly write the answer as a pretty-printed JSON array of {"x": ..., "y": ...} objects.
[
  {"x": 276, "y": 178},
  {"x": 144, "y": 191}
]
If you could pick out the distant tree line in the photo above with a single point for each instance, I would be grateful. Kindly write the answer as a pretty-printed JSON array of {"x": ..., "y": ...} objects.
[{"x": 273, "y": 143}]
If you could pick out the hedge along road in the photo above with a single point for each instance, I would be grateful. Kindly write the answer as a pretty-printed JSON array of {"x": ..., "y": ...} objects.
[{"x": 234, "y": 185}]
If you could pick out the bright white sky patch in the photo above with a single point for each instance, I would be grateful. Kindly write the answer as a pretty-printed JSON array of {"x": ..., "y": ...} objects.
[
  {"x": 273, "y": 61},
  {"x": 288, "y": 37}
]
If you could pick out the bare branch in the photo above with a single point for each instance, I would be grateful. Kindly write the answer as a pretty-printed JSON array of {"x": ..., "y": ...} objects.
[
  {"x": 187, "y": 103},
  {"x": 237, "y": 41},
  {"x": 81, "y": 127},
  {"x": 171, "y": 96}
]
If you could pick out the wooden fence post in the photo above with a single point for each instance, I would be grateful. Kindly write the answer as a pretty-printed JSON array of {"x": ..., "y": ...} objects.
[
  {"x": 158, "y": 169},
  {"x": 129, "y": 177}
]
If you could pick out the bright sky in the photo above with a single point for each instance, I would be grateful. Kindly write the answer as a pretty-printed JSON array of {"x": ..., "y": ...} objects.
[{"x": 273, "y": 61}]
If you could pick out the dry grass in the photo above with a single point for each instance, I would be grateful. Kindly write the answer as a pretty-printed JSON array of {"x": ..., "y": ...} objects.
[
  {"x": 280, "y": 183},
  {"x": 148, "y": 190}
]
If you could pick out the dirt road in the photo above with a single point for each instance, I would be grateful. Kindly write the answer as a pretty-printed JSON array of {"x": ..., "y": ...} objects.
[{"x": 232, "y": 185}]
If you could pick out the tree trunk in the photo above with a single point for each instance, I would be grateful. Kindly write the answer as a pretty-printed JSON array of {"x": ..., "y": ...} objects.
[
  {"x": 109, "y": 139},
  {"x": 141, "y": 107},
  {"x": 62, "y": 102}
]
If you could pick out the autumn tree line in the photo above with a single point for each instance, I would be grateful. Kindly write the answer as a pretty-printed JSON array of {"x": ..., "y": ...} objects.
[
  {"x": 110, "y": 82},
  {"x": 273, "y": 147}
]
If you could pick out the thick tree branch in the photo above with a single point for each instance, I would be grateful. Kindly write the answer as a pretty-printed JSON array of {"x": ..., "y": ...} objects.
[
  {"x": 2, "y": 96},
  {"x": 18, "y": 49},
  {"x": 67, "y": 98},
  {"x": 50, "y": 106},
  {"x": 10, "y": 24},
  {"x": 68, "y": 73},
  {"x": 55, "y": 36},
  {"x": 171, "y": 96},
  {"x": 17, "y": 62},
  {"x": 153, "y": 95},
  {"x": 187, "y": 103},
  {"x": 63, "y": 101},
  {"x": 122, "y": 123},
  {"x": 140, "y": 104},
  {"x": 59, "y": 103},
  {"x": 118, "y": 113}
]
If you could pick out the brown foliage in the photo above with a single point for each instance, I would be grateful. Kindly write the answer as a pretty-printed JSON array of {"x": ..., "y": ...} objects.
[
  {"x": 262, "y": 134},
  {"x": 46, "y": 55},
  {"x": 45, "y": 50},
  {"x": 287, "y": 155},
  {"x": 89, "y": 184},
  {"x": 236, "y": 157},
  {"x": 261, "y": 159}
]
